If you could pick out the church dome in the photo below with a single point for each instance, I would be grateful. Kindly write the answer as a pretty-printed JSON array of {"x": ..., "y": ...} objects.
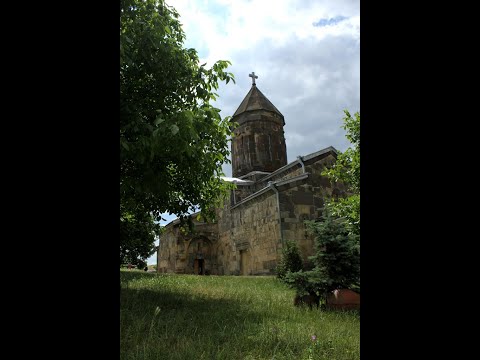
[
  {"x": 255, "y": 100},
  {"x": 258, "y": 142}
]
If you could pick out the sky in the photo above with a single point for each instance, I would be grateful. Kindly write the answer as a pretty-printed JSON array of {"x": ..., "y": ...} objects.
[{"x": 306, "y": 54}]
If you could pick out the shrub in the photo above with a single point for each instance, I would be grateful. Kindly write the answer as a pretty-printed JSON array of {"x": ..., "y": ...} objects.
[
  {"x": 337, "y": 253},
  {"x": 291, "y": 260},
  {"x": 336, "y": 260}
]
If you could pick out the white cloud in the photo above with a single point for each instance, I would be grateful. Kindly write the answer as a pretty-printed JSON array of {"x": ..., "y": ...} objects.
[
  {"x": 310, "y": 73},
  {"x": 219, "y": 28}
]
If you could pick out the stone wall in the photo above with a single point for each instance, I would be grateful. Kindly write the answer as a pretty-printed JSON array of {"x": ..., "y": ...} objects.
[
  {"x": 246, "y": 238},
  {"x": 241, "y": 192},
  {"x": 179, "y": 249},
  {"x": 249, "y": 236},
  {"x": 303, "y": 200},
  {"x": 167, "y": 250},
  {"x": 290, "y": 172}
]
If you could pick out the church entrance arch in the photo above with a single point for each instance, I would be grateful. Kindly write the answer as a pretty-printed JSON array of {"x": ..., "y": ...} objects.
[
  {"x": 199, "y": 267},
  {"x": 199, "y": 256}
]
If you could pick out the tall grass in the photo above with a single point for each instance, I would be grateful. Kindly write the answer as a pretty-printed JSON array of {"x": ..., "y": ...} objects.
[{"x": 227, "y": 317}]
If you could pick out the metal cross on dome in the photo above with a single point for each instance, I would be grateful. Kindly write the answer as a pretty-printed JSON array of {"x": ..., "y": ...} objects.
[{"x": 253, "y": 76}]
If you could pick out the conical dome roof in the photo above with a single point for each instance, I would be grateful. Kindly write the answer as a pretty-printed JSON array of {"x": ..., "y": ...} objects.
[{"x": 255, "y": 100}]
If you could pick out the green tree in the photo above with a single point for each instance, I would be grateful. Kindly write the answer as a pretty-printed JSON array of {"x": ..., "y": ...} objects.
[
  {"x": 291, "y": 260},
  {"x": 173, "y": 142},
  {"x": 138, "y": 232},
  {"x": 336, "y": 259},
  {"x": 337, "y": 252},
  {"x": 347, "y": 170},
  {"x": 337, "y": 236}
]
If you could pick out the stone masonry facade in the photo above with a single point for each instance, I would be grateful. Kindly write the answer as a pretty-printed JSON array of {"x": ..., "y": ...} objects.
[
  {"x": 269, "y": 207},
  {"x": 248, "y": 236}
]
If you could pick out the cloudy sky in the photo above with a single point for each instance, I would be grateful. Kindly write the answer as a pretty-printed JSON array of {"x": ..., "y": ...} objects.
[{"x": 306, "y": 54}]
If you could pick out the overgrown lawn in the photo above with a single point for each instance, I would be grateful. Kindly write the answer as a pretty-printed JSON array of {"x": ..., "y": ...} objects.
[{"x": 226, "y": 318}]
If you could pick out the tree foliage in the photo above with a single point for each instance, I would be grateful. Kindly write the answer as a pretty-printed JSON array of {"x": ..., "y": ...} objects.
[
  {"x": 137, "y": 237},
  {"x": 347, "y": 170},
  {"x": 337, "y": 235},
  {"x": 291, "y": 260},
  {"x": 173, "y": 142},
  {"x": 336, "y": 259},
  {"x": 337, "y": 252}
]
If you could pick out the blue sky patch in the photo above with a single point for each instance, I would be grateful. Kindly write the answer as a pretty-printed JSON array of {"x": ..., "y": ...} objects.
[{"x": 331, "y": 21}]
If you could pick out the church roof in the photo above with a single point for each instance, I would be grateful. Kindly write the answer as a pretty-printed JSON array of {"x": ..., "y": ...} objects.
[
  {"x": 299, "y": 160},
  {"x": 255, "y": 100}
]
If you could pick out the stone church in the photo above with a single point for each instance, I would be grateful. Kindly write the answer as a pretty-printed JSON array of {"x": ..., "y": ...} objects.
[{"x": 271, "y": 201}]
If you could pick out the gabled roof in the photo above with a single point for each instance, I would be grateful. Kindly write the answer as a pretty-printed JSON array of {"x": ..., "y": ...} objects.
[
  {"x": 255, "y": 100},
  {"x": 302, "y": 158}
]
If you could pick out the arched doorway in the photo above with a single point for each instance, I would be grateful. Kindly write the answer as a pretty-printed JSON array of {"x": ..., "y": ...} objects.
[
  {"x": 199, "y": 256},
  {"x": 199, "y": 266}
]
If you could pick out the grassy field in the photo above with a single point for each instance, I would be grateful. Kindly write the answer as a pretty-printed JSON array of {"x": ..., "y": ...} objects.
[{"x": 227, "y": 318}]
